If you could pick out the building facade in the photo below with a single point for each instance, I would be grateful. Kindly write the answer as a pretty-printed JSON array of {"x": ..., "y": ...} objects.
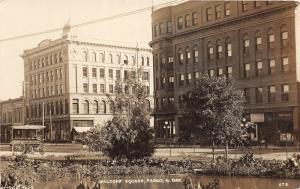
[
  {"x": 256, "y": 43},
  {"x": 69, "y": 78},
  {"x": 11, "y": 113}
]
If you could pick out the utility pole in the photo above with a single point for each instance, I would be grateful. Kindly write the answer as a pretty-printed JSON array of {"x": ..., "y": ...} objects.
[
  {"x": 43, "y": 114},
  {"x": 50, "y": 126}
]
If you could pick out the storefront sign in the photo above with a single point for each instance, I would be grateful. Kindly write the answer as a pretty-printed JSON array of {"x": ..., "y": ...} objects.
[{"x": 257, "y": 117}]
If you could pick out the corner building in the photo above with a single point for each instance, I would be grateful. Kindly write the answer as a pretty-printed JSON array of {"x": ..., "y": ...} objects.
[
  {"x": 256, "y": 43},
  {"x": 69, "y": 78}
]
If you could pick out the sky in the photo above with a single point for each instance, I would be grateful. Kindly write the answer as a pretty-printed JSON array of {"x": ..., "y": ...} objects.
[{"x": 21, "y": 17}]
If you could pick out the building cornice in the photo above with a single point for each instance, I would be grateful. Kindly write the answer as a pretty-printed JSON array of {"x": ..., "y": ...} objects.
[{"x": 233, "y": 21}]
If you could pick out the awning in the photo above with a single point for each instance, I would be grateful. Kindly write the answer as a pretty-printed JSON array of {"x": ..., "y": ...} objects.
[
  {"x": 32, "y": 127},
  {"x": 82, "y": 129}
]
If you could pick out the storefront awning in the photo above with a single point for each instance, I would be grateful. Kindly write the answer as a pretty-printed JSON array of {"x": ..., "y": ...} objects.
[
  {"x": 82, "y": 129},
  {"x": 32, "y": 127}
]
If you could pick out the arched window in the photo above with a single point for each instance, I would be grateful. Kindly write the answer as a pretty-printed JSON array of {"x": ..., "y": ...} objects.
[
  {"x": 111, "y": 106},
  {"x": 85, "y": 56},
  {"x": 271, "y": 38},
  {"x": 187, "y": 55},
  {"x": 228, "y": 47},
  {"x": 195, "y": 54},
  {"x": 219, "y": 48},
  {"x": 94, "y": 57},
  {"x": 119, "y": 59},
  {"x": 102, "y": 58},
  {"x": 246, "y": 44},
  {"x": 103, "y": 107},
  {"x": 110, "y": 58},
  {"x": 148, "y": 61},
  {"x": 95, "y": 107},
  {"x": 125, "y": 59},
  {"x": 180, "y": 56},
  {"x": 143, "y": 61},
  {"x": 133, "y": 60},
  {"x": 258, "y": 41},
  {"x": 86, "y": 107},
  {"x": 284, "y": 36},
  {"x": 210, "y": 51}
]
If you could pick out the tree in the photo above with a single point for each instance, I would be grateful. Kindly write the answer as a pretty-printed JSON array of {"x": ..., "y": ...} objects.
[
  {"x": 216, "y": 107},
  {"x": 128, "y": 133}
]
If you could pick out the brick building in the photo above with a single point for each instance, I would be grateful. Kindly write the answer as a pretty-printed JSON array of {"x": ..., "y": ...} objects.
[
  {"x": 254, "y": 42},
  {"x": 11, "y": 113},
  {"x": 68, "y": 79}
]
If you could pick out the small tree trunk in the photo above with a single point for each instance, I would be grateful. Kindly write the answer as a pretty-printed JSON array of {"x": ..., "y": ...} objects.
[
  {"x": 226, "y": 150},
  {"x": 213, "y": 150}
]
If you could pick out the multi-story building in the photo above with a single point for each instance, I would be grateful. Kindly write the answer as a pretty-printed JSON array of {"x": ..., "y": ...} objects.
[
  {"x": 254, "y": 42},
  {"x": 69, "y": 78},
  {"x": 11, "y": 113}
]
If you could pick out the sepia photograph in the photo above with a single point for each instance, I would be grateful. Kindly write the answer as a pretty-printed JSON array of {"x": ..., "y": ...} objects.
[{"x": 149, "y": 94}]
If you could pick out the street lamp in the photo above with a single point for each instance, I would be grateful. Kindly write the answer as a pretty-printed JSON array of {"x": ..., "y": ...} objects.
[{"x": 168, "y": 126}]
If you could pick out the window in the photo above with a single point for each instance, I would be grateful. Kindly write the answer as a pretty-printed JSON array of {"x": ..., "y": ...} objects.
[
  {"x": 229, "y": 72},
  {"x": 111, "y": 106},
  {"x": 195, "y": 56},
  {"x": 126, "y": 74},
  {"x": 169, "y": 27},
  {"x": 86, "y": 107},
  {"x": 227, "y": 9},
  {"x": 187, "y": 56},
  {"x": 133, "y": 74},
  {"x": 133, "y": 60},
  {"x": 195, "y": 18},
  {"x": 163, "y": 82},
  {"x": 84, "y": 71},
  {"x": 244, "y": 6},
  {"x": 196, "y": 75},
  {"x": 110, "y": 56},
  {"x": 220, "y": 71},
  {"x": 75, "y": 106},
  {"x": 271, "y": 39},
  {"x": 85, "y": 56},
  {"x": 102, "y": 73},
  {"x": 272, "y": 66},
  {"x": 188, "y": 21},
  {"x": 161, "y": 28},
  {"x": 271, "y": 93},
  {"x": 125, "y": 59},
  {"x": 145, "y": 76},
  {"x": 170, "y": 61},
  {"x": 219, "y": 49},
  {"x": 218, "y": 11},
  {"x": 171, "y": 82},
  {"x": 259, "y": 94},
  {"x": 103, "y": 107},
  {"x": 257, "y": 4},
  {"x": 285, "y": 92},
  {"x": 247, "y": 70},
  {"x": 95, "y": 107},
  {"x": 94, "y": 57},
  {"x": 258, "y": 42},
  {"x": 285, "y": 64},
  {"x": 102, "y": 58},
  {"x": 94, "y": 72},
  {"x": 210, "y": 51},
  {"x": 181, "y": 59},
  {"x": 209, "y": 14},
  {"x": 110, "y": 73},
  {"x": 246, "y": 44},
  {"x": 189, "y": 78},
  {"x": 155, "y": 29},
  {"x": 284, "y": 36},
  {"x": 102, "y": 88},
  {"x": 119, "y": 59},
  {"x": 259, "y": 67},
  {"x": 118, "y": 74},
  {"x": 148, "y": 61},
  {"x": 94, "y": 88},
  {"x": 181, "y": 79},
  {"x": 180, "y": 23},
  {"x": 211, "y": 72},
  {"x": 111, "y": 88},
  {"x": 228, "y": 48},
  {"x": 85, "y": 88},
  {"x": 247, "y": 95},
  {"x": 66, "y": 107}
]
